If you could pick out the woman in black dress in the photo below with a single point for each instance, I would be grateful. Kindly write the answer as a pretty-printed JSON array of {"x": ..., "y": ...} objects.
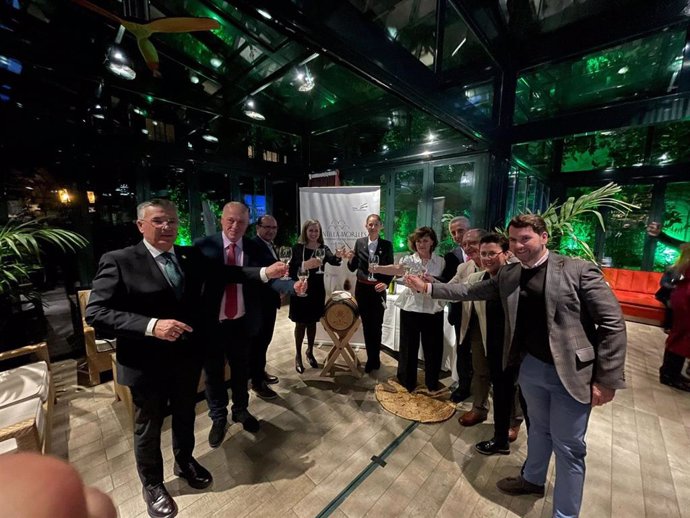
[{"x": 306, "y": 311}]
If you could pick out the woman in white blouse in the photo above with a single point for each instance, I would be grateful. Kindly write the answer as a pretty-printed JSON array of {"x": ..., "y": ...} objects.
[{"x": 420, "y": 316}]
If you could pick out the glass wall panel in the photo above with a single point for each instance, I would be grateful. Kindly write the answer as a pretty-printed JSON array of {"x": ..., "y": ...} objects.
[
  {"x": 535, "y": 155},
  {"x": 676, "y": 223},
  {"x": 670, "y": 143},
  {"x": 602, "y": 149},
  {"x": 625, "y": 234},
  {"x": 409, "y": 201},
  {"x": 214, "y": 190},
  {"x": 171, "y": 183},
  {"x": 525, "y": 193},
  {"x": 641, "y": 68},
  {"x": 455, "y": 193}
]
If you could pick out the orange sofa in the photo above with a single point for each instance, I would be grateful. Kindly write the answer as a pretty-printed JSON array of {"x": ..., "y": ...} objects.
[{"x": 635, "y": 291}]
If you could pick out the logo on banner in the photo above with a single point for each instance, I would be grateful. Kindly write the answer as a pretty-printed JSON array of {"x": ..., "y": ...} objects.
[
  {"x": 363, "y": 207},
  {"x": 339, "y": 229}
]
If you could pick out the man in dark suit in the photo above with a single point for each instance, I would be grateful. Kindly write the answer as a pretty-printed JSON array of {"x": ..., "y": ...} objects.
[
  {"x": 148, "y": 296},
  {"x": 233, "y": 319},
  {"x": 371, "y": 295},
  {"x": 566, "y": 326},
  {"x": 266, "y": 230},
  {"x": 457, "y": 227}
]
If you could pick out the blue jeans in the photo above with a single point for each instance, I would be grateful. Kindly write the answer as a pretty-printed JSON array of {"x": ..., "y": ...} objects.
[{"x": 558, "y": 424}]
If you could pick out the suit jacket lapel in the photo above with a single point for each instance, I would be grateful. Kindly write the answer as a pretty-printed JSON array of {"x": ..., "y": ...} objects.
[
  {"x": 554, "y": 270},
  {"x": 511, "y": 283},
  {"x": 154, "y": 269}
]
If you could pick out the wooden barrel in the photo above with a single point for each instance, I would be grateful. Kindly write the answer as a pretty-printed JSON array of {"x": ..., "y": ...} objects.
[{"x": 341, "y": 311}]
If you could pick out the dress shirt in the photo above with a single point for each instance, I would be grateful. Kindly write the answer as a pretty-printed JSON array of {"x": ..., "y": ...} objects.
[
  {"x": 160, "y": 262},
  {"x": 239, "y": 261},
  {"x": 409, "y": 300}
]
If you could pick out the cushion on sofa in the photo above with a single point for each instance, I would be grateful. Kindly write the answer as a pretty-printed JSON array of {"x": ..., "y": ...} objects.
[
  {"x": 23, "y": 383},
  {"x": 640, "y": 299}
]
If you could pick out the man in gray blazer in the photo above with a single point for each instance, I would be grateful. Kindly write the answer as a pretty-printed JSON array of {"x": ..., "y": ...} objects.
[{"x": 565, "y": 325}]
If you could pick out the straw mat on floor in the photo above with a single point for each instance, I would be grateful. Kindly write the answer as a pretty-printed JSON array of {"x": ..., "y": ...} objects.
[{"x": 420, "y": 405}]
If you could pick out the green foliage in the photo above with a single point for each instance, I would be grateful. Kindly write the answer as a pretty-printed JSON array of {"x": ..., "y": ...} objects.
[
  {"x": 404, "y": 225},
  {"x": 21, "y": 247},
  {"x": 177, "y": 192},
  {"x": 560, "y": 219}
]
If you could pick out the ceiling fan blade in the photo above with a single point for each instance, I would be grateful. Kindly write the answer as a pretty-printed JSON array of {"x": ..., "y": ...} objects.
[
  {"x": 182, "y": 24},
  {"x": 99, "y": 10},
  {"x": 150, "y": 55}
]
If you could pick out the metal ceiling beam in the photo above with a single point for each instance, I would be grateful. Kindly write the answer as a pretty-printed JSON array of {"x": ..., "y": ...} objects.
[
  {"x": 339, "y": 30},
  {"x": 614, "y": 26},
  {"x": 643, "y": 112}
]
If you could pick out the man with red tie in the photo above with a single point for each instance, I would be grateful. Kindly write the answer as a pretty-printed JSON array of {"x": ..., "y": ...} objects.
[{"x": 234, "y": 317}]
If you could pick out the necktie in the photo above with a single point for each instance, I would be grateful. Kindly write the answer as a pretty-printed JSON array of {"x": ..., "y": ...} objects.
[
  {"x": 274, "y": 250},
  {"x": 231, "y": 289},
  {"x": 172, "y": 273}
]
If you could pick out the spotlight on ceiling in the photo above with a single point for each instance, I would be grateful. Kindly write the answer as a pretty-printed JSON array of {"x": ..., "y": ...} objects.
[
  {"x": 216, "y": 62},
  {"x": 210, "y": 138},
  {"x": 118, "y": 63},
  {"x": 194, "y": 78},
  {"x": 251, "y": 111},
  {"x": 306, "y": 80},
  {"x": 264, "y": 14}
]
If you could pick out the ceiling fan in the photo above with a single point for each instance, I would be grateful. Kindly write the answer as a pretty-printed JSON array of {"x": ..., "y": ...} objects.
[{"x": 142, "y": 31}]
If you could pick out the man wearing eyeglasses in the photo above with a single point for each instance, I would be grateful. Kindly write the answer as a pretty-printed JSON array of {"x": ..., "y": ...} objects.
[
  {"x": 266, "y": 231},
  {"x": 566, "y": 326},
  {"x": 149, "y": 297}
]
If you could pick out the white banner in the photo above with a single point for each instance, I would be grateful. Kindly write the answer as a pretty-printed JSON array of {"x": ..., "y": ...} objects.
[{"x": 342, "y": 212}]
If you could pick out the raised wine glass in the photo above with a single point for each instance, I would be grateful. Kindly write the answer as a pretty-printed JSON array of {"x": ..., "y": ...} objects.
[
  {"x": 285, "y": 254},
  {"x": 302, "y": 275},
  {"x": 373, "y": 261},
  {"x": 320, "y": 254}
]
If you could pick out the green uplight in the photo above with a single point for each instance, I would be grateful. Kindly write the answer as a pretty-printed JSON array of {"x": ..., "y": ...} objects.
[{"x": 149, "y": 99}]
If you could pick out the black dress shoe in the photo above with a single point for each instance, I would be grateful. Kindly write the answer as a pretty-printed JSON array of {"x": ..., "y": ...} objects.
[
  {"x": 372, "y": 366},
  {"x": 459, "y": 395},
  {"x": 217, "y": 433},
  {"x": 312, "y": 361},
  {"x": 159, "y": 503},
  {"x": 299, "y": 367},
  {"x": 679, "y": 383},
  {"x": 264, "y": 392},
  {"x": 519, "y": 486},
  {"x": 248, "y": 421},
  {"x": 194, "y": 473},
  {"x": 491, "y": 447},
  {"x": 271, "y": 380}
]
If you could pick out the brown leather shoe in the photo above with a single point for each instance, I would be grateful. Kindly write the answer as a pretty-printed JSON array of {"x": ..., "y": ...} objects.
[
  {"x": 513, "y": 432},
  {"x": 519, "y": 486},
  {"x": 471, "y": 418}
]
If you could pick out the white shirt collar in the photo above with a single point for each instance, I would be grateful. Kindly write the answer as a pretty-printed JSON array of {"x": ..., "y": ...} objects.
[
  {"x": 155, "y": 252},
  {"x": 541, "y": 261},
  {"x": 226, "y": 243}
]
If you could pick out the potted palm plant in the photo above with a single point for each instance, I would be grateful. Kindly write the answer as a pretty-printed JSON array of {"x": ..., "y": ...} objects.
[{"x": 23, "y": 246}]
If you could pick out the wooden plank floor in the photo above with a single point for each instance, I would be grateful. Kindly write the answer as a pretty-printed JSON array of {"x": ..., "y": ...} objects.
[{"x": 319, "y": 436}]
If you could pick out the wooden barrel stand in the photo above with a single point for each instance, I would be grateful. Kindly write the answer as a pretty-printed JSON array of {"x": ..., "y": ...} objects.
[{"x": 341, "y": 321}]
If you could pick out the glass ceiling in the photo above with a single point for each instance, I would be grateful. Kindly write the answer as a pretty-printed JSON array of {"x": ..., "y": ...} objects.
[
  {"x": 412, "y": 23},
  {"x": 641, "y": 68}
]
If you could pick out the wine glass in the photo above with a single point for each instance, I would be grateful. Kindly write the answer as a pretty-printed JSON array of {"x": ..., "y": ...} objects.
[
  {"x": 285, "y": 254},
  {"x": 373, "y": 261},
  {"x": 302, "y": 275},
  {"x": 406, "y": 263},
  {"x": 320, "y": 254}
]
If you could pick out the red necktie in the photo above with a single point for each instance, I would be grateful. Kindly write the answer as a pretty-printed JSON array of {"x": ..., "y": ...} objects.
[{"x": 231, "y": 289}]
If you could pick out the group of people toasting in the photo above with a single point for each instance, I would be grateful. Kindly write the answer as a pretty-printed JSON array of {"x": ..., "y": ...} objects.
[{"x": 548, "y": 322}]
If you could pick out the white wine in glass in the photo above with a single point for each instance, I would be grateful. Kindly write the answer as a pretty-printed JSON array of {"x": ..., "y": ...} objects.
[
  {"x": 320, "y": 254},
  {"x": 373, "y": 261},
  {"x": 302, "y": 275},
  {"x": 285, "y": 254}
]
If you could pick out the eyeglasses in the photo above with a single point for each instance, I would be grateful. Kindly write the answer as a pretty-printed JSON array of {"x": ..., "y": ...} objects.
[
  {"x": 489, "y": 255},
  {"x": 269, "y": 227},
  {"x": 161, "y": 222}
]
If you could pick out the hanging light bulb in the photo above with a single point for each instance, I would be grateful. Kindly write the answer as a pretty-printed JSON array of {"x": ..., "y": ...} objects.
[{"x": 251, "y": 111}]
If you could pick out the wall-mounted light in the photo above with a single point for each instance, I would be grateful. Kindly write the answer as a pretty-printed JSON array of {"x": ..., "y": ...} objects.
[
  {"x": 91, "y": 196},
  {"x": 64, "y": 196}
]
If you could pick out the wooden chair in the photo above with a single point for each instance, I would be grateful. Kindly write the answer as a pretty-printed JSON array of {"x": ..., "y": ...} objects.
[
  {"x": 26, "y": 409},
  {"x": 98, "y": 351}
]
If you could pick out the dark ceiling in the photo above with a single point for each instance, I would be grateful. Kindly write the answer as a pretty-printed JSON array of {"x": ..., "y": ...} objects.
[{"x": 370, "y": 70}]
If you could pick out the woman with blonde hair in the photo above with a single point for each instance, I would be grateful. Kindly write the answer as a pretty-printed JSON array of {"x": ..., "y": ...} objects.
[
  {"x": 678, "y": 341},
  {"x": 311, "y": 253}
]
